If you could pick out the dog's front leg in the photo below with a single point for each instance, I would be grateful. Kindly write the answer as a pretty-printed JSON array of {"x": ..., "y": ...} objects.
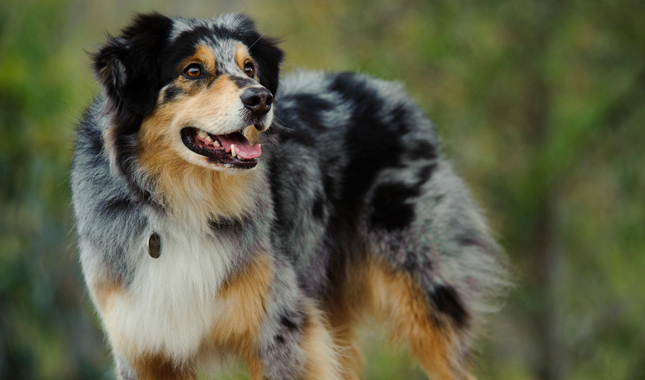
[{"x": 295, "y": 342}]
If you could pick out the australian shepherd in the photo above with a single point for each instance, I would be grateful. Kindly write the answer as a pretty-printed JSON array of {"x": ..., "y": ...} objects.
[{"x": 221, "y": 217}]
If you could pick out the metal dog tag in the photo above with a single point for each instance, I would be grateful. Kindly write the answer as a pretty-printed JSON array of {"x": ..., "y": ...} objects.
[{"x": 154, "y": 245}]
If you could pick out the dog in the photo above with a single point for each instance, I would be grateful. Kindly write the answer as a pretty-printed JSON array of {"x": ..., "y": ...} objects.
[{"x": 221, "y": 218}]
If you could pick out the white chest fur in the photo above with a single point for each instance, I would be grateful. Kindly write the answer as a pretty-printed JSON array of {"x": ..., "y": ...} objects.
[{"x": 171, "y": 304}]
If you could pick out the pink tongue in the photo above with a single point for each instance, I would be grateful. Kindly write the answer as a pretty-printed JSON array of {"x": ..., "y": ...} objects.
[{"x": 243, "y": 147}]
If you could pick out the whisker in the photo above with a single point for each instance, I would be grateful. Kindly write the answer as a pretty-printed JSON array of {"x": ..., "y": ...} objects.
[
  {"x": 281, "y": 124},
  {"x": 256, "y": 41}
]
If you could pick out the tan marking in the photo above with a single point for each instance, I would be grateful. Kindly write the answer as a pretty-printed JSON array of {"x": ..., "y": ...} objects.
[
  {"x": 394, "y": 298},
  {"x": 344, "y": 315},
  {"x": 352, "y": 360},
  {"x": 188, "y": 87},
  {"x": 321, "y": 353},
  {"x": 252, "y": 135},
  {"x": 204, "y": 56},
  {"x": 237, "y": 331},
  {"x": 156, "y": 367},
  {"x": 242, "y": 56},
  {"x": 182, "y": 185},
  {"x": 109, "y": 138},
  {"x": 346, "y": 308},
  {"x": 243, "y": 299},
  {"x": 105, "y": 293},
  {"x": 120, "y": 341}
]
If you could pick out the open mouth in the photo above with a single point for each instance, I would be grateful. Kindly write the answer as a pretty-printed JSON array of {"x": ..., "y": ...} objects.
[{"x": 232, "y": 150}]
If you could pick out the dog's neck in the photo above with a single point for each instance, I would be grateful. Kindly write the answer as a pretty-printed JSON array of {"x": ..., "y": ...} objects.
[{"x": 196, "y": 195}]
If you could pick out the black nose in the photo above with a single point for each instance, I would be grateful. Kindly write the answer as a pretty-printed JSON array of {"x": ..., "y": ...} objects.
[{"x": 258, "y": 100}]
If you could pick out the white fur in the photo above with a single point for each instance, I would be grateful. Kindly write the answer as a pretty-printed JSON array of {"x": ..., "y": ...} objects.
[{"x": 171, "y": 303}]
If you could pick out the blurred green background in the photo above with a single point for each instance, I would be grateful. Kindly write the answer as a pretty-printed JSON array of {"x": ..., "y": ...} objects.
[{"x": 541, "y": 106}]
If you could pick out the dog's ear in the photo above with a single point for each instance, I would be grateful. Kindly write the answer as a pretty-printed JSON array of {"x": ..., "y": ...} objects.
[
  {"x": 128, "y": 66},
  {"x": 265, "y": 51}
]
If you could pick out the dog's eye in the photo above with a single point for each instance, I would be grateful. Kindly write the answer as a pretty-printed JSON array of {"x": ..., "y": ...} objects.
[
  {"x": 249, "y": 69},
  {"x": 193, "y": 70}
]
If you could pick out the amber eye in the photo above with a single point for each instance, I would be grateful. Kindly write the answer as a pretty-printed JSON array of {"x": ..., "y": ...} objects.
[
  {"x": 193, "y": 71},
  {"x": 249, "y": 69}
]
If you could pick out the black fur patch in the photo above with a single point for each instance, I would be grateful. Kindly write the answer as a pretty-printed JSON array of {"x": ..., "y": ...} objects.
[
  {"x": 392, "y": 206},
  {"x": 242, "y": 82},
  {"x": 300, "y": 136},
  {"x": 308, "y": 109},
  {"x": 446, "y": 300},
  {"x": 117, "y": 204},
  {"x": 171, "y": 93},
  {"x": 304, "y": 114},
  {"x": 474, "y": 241},
  {"x": 318, "y": 208},
  {"x": 469, "y": 241},
  {"x": 288, "y": 323},
  {"x": 92, "y": 146},
  {"x": 329, "y": 184},
  {"x": 222, "y": 224},
  {"x": 373, "y": 143},
  {"x": 425, "y": 173},
  {"x": 372, "y": 134},
  {"x": 128, "y": 68},
  {"x": 423, "y": 150},
  {"x": 391, "y": 209}
]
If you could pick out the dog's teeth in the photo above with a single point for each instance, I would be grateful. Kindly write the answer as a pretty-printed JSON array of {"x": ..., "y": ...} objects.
[
  {"x": 216, "y": 143},
  {"x": 208, "y": 139},
  {"x": 202, "y": 134},
  {"x": 233, "y": 153}
]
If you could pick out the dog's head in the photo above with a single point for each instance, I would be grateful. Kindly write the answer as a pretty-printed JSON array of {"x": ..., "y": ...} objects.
[{"x": 201, "y": 90}]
